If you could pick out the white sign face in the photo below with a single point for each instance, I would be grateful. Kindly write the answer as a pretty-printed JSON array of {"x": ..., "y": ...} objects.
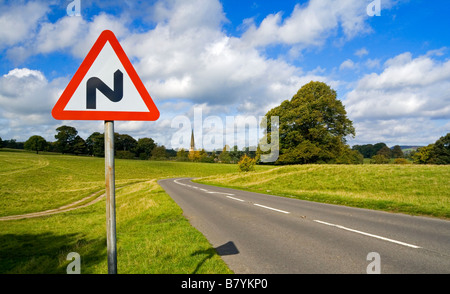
[{"x": 104, "y": 67}]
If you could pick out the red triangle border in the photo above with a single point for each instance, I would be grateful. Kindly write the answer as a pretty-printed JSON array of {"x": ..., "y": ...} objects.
[{"x": 58, "y": 111}]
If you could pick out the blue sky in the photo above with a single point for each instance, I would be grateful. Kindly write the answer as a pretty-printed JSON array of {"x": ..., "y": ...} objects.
[{"x": 236, "y": 58}]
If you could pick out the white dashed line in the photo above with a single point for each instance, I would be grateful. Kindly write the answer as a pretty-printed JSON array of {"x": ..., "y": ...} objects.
[
  {"x": 367, "y": 234},
  {"x": 271, "y": 208},
  {"x": 235, "y": 198}
]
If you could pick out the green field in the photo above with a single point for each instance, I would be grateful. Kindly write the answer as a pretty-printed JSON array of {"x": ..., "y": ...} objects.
[
  {"x": 152, "y": 234},
  {"x": 412, "y": 189}
]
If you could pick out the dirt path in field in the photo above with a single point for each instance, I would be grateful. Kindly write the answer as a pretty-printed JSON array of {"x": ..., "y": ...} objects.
[{"x": 65, "y": 208}]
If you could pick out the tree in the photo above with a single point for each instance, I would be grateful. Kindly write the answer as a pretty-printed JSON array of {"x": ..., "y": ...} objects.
[
  {"x": 182, "y": 155},
  {"x": 79, "y": 146},
  {"x": 366, "y": 150},
  {"x": 124, "y": 142},
  {"x": 441, "y": 150},
  {"x": 385, "y": 151},
  {"x": 36, "y": 143},
  {"x": 159, "y": 153},
  {"x": 144, "y": 148},
  {"x": 235, "y": 154},
  {"x": 225, "y": 157},
  {"x": 424, "y": 155},
  {"x": 204, "y": 157},
  {"x": 312, "y": 125},
  {"x": 194, "y": 156},
  {"x": 96, "y": 144},
  {"x": 65, "y": 139},
  {"x": 1, "y": 143},
  {"x": 397, "y": 152},
  {"x": 379, "y": 159}
]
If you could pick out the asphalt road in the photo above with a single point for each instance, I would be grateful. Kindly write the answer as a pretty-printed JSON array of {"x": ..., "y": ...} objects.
[{"x": 263, "y": 234}]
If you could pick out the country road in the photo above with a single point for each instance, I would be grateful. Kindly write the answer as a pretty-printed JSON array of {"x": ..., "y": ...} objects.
[{"x": 263, "y": 234}]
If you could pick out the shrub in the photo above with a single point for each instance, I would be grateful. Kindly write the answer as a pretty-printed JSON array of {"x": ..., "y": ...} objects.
[
  {"x": 124, "y": 155},
  {"x": 246, "y": 164},
  {"x": 379, "y": 159},
  {"x": 401, "y": 161}
]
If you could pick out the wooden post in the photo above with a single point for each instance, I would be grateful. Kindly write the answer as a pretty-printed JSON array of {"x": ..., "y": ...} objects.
[{"x": 110, "y": 198}]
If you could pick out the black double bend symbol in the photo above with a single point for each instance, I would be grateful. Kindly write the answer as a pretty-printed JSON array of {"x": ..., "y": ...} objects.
[{"x": 95, "y": 83}]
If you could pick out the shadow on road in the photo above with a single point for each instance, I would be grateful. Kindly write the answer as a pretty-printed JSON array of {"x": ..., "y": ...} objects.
[{"x": 226, "y": 249}]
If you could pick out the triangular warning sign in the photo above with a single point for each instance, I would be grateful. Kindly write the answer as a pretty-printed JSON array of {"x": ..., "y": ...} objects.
[{"x": 106, "y": 87}]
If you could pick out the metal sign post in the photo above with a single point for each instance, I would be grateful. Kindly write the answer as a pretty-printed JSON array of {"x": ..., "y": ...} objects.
[{"x": 110, "y": 198}]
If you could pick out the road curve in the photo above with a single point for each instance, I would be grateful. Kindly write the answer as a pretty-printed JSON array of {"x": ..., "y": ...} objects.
[{"x": 264, "y": 234}]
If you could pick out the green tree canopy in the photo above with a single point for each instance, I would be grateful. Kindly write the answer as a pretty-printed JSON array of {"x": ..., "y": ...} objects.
[
  {"x": 124, "y": 142},
  {"x": 79, "y": 146},
  {"x": 385, "y": 151},
  {"x": 96, "y": 144},
  {"x": 224, "y": 156},
  {"x": 65, "y": 139},
  {"x": 441, "y": 150},
  {"x": 312, "y": 126},
  {"x": 437, "y": 153},
  {"x": 144, "y": 148},
  {"x": 182, "y": 155},
  {"x": 36, "y": 143},
  {"x": 159, "y": 153},
  {"x": 397, "y": 152}
]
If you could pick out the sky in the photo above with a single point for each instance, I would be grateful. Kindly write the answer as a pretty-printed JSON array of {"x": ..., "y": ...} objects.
[{"x": 238, "y": 59}]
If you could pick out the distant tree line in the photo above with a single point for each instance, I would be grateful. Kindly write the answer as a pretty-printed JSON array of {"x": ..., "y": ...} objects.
[
  {"x": 125, "y": 147},
  {"x": 380, "y": 153},
  {"x": 69, "y": 142},
  {"x": 436, "y": 153},
  {"x": 227, "y": 155}
]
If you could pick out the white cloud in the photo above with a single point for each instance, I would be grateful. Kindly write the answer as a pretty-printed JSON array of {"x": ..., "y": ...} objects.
[
  {"x": 26, "y": 101},
  {"x": 361, "y": 52},
  {"x": 408, "y": 87},
  {"x": 348, "y": 64},
  {"x": 204, "y": 65},
  {"x": 406, "y": 99},
  {"x": 74, "y": 35},
  {"x": 401, "y": 131},
  {"x": 310, "y": 24},
  {"x": 19, "y": 22}
]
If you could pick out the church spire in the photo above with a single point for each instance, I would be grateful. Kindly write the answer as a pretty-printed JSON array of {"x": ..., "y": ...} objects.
[{"x": 192, "y": 142}]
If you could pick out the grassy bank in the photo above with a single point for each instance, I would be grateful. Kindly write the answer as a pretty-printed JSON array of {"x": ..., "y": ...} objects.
[
  {"x": 152, "y": 234},
  {"x": 412, "y": 189}
]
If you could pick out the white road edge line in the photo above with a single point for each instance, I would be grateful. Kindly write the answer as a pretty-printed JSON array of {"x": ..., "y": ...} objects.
[
  {"x": 271, "y": 208},
  {"x": 235, "y": 198},
  {"x": 367, "y": 234}
]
